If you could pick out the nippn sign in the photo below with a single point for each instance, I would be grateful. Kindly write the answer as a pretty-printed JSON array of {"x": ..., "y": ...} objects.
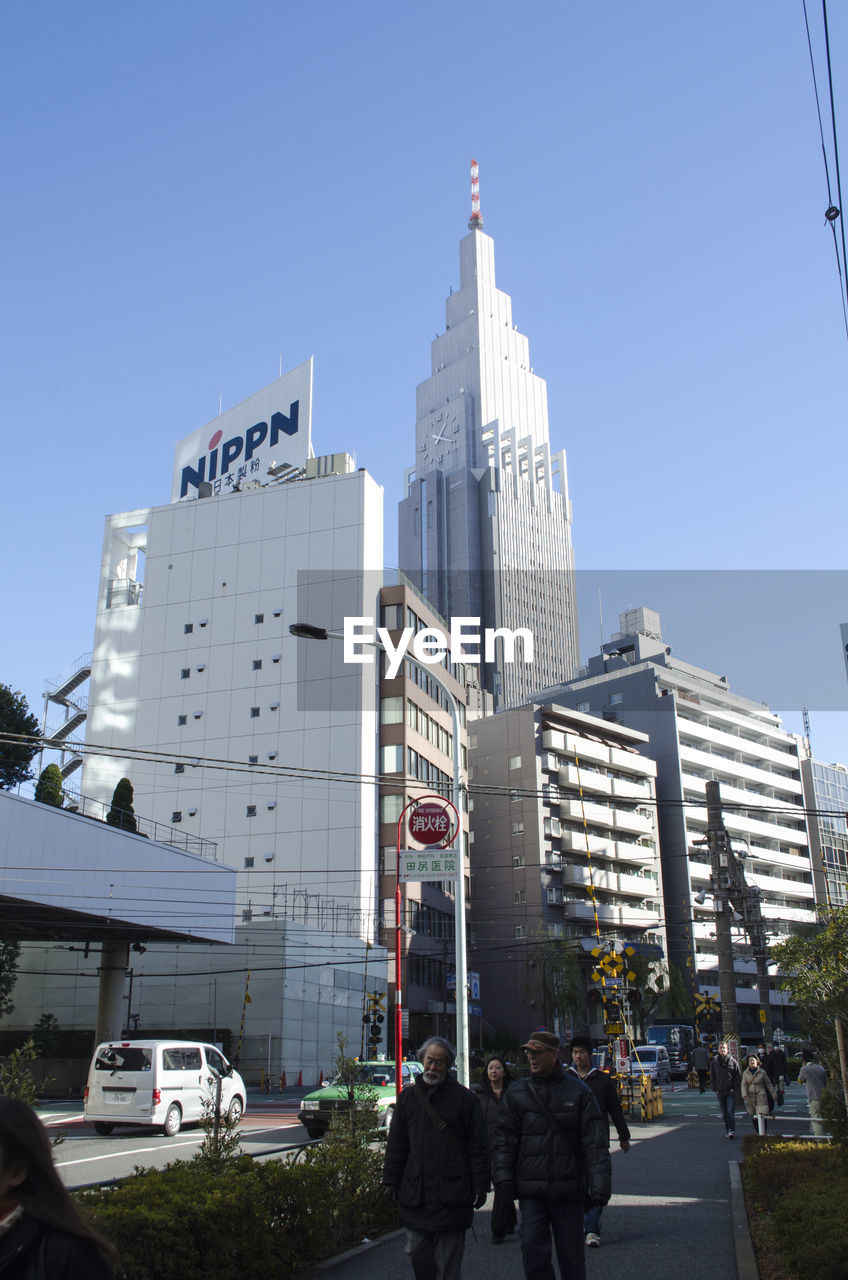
[{"x": 273, "y": 425}]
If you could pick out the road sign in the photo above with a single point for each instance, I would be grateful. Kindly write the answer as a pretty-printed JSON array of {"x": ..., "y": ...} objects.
[{"x": 428, "y": 864}]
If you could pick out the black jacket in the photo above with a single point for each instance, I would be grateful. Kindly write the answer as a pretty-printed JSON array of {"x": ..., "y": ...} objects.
[
  {"x": 437, "y": 1174},
  {"x": 725, "y": 1075},
  {"x": 568, "y": 1160},
  {"x": 29, "y": 1250},
  {"x": 490, "y": 1106},
  {"x": 606, "y": 1096}
]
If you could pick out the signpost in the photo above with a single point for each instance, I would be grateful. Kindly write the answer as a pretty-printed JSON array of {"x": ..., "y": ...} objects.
[{"x": 433, "y": 823}]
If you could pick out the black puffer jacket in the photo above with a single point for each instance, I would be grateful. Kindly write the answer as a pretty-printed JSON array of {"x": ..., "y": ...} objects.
[
  {"x": 725, "y": 1075},
  {"x": 437, "y": 1176},
  {"x": 31, "y": 1251},
  {"x": 569, "y": 1160},
  {"x": 490, "y": 1106}
]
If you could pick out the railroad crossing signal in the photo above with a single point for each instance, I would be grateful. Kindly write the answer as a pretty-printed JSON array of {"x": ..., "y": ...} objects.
[
  {"x": 705, "y": 1004},
  {"x": 375, "y": 1017},
  {"x": 609, "y": 964}
]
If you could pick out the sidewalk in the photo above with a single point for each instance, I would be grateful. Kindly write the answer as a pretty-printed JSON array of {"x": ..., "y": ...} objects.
[{"x": 670, "y": 1214}]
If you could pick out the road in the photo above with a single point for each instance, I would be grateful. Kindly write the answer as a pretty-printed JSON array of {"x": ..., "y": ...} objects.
[{"x": 84, "y": 1157}]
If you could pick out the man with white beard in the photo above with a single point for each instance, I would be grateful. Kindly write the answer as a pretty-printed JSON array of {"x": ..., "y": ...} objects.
[{"x": 437, "y": 1164}]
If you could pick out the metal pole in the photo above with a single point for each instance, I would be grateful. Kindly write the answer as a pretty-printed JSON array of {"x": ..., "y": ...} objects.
[{"x": 719, "y": 847}]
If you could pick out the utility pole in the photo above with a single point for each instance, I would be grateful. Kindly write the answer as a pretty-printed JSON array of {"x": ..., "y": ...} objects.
[
  {"x": 720, "y": 855},
  {"x": 732, "y": 893}
]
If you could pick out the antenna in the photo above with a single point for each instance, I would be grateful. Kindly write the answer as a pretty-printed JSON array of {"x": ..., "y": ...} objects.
[
  {"x": 220, "y": 403},
  {"x": 281, "y": 364},
  {"x": 476, "y": 219},
  {"x": 806, "y": 715}
]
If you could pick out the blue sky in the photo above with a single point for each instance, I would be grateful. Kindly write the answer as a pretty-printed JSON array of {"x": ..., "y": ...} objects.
[{"x": 194, "y": 188}]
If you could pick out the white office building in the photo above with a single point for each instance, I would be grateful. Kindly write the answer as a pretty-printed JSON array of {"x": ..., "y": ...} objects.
[
  {"x": 485, "y": 528},
  {"x": 232, "y": 731},
  {"x": 699, "y": 731}
]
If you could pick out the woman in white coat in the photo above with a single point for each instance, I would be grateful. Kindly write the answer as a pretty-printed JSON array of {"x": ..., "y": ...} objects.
[{"x": 756, "y": 1089}]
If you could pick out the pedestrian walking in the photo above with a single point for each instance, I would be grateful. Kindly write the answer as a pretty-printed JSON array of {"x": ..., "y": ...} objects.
[
  {"x": 814, "y": 1079},
  {"x": 724, "y": 1079},
  {"x": 495, "y": 1081},
  {"x": 756, "y": 1091},
  {"x": 700, "y": 1063},
  {"x": 42, "y": 1236},
  {"x": 606, "y": 1095},
  {"x": 437, "y": 1164},
  {"x": 551, "y": 1152},
  {"x": 774, "y": 1065}
]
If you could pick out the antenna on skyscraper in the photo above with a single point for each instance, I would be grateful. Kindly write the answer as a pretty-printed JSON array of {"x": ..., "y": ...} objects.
[{"x": 476, "y": 219}]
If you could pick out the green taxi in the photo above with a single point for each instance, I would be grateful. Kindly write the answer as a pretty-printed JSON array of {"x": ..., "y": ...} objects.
[{"x": 379, "y": 1079}]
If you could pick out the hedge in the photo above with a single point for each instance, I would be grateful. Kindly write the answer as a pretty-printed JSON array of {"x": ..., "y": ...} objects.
[
  {"x": 246, "y": 1219},
  {"x": 795, "y": 1194}
]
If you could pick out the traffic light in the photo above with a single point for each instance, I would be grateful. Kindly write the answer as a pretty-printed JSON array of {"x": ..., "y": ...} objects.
[
  {"x": 374, "y": 1019},
  {"x": 593, "y": 995},
  {"x": 634, "y": 997}
]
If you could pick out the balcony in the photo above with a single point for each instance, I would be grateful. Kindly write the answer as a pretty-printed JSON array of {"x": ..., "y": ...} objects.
[
  {"x": 635, "y": 822},
  {"x": 590, "y": 781},
  {"x": 599, "y": 815},
  {"x": 625, "y": 789}
]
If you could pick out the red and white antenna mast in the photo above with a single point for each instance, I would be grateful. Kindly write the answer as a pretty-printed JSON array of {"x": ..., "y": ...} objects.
[{"x": 476, "y": 219}]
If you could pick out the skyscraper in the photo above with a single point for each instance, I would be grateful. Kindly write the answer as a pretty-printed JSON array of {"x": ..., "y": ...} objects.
[{"x": 485, "y": 528}]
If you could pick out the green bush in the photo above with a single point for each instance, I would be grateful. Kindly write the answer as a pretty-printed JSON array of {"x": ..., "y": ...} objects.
[
  {"x": 245, "y": 1218},
  {"x": 788, "y": 1184}
]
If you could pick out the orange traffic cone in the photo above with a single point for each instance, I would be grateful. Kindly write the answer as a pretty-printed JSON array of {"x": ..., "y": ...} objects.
[
  {"x": 283, "y": 1080},
  {"x": 300, "y": 1079},
  {"x": 320, "y": 1078}
]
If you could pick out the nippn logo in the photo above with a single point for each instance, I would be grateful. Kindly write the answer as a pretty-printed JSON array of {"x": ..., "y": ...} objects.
[{"x": 220, "y": 458}]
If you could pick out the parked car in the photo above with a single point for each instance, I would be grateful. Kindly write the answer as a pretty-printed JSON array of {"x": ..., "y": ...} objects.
[
  {"x": 374, "y": 1077},
  {"x": 650, "y": 1060},
  {"x": 160, "y": 1083}
]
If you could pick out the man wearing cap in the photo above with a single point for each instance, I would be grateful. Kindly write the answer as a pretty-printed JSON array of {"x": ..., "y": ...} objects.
[
  {"x": 551, "y": 1152},
  {"x": 606, "y": 1096}
]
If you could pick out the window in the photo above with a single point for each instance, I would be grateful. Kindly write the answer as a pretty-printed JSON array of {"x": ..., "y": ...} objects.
[
  {"x": 179, "y": 768},
  {"x": 515, "y": 762},
  {"x": 519, "y": 895},
  {"x": 182, "y": 719},
  {"x": 250, "y": 811},
  {"x": 253, "y": 759},
  {"x": 257, "y": 664},
  {"x": 585, "y": 707},
  {"x": 390, "y": 808},
  {"x": 393, "y": 616},
  {"x": 615, "y": 699},
  {"x": 177, "y": 815},
  {"x": 517, "y": 828},
  {"x": 254, "y": 713},
  {"x": 259, "y": 617},
  {"x": 392, "y": 758},
  {"x": 520, "y": 931},
  {"x": 188, "y": 628},
  {"x": 391, "y": 711},
  {"x": 518, "y": 861},
  {"x": 248, "y": 862},
  {"x": 185, "y": 673},
  {"x": 514, "y": 796}
]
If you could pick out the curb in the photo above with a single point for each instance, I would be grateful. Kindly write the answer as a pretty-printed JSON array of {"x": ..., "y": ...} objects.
[
  {"x": 357, "y": 1250},
  {"x": 746, "y": 1263}
]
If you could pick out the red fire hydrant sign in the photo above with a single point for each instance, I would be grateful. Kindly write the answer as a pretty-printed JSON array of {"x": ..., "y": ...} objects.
[{"x": 430, "y": 824}]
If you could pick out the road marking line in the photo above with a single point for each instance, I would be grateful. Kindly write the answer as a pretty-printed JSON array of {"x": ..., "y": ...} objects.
[{"x": 137, "y": 1151}]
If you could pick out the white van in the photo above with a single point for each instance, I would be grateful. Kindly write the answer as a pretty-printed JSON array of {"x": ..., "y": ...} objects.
[{"x": 159, "y": 1082}]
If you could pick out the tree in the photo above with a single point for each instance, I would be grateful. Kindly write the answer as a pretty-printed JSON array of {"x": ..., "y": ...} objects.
[
  {"x": 9, "y": 956},
  {"x": 48, "y": 789},
  {"x": 15, "y": 757},
  {"x": 121, "y": 813},
  {"x": 554, "y": 979},
  {"x": 814, "y": 971},
  {"x": 676, "y": 999}
]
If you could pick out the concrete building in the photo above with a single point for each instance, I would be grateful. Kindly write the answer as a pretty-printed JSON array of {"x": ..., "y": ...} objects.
[
  {"x": 564, "y": 844},
  {"x": 485, "y": 528},
  {"x": 826, "y": 798},
  {"x": 697, "y": 731},
  {"x": 416, "y": 744},
  {"x": 232, "y": 731}
]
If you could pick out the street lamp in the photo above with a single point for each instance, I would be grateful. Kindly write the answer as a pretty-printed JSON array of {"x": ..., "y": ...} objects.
[{"x": 306, "y": 631}]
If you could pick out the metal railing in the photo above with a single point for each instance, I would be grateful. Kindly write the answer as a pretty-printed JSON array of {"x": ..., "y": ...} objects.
[{"x": 147, "y": 827}]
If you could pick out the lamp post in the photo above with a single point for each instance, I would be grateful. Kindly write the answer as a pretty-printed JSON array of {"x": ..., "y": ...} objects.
[{"x": 306, "y": 631}]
